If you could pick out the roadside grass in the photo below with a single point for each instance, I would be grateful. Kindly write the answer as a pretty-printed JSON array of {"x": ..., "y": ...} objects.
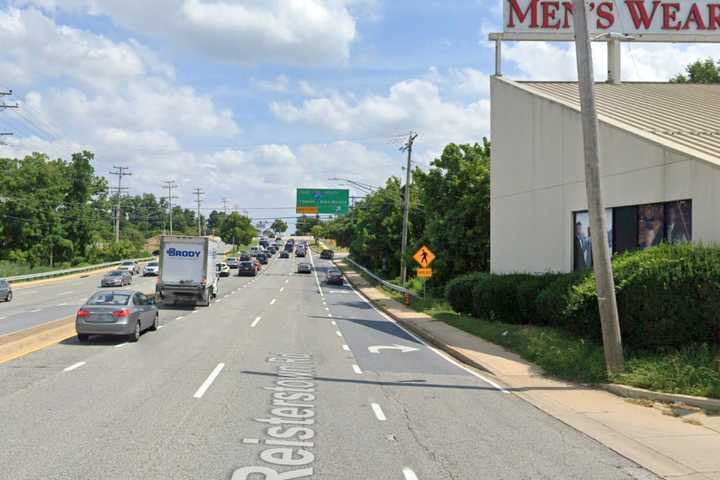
[
  {"x": 11, "y": 269},
  {"x": 693, "y": 370}
]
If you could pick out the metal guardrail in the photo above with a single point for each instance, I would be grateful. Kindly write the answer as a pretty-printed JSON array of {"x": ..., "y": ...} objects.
[
  {"x": 385, "y": 283},
  {"x": 68, "y": 271}
]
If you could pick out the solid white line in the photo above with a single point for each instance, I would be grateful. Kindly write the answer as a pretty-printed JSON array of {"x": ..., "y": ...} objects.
[
  {"x": 346, "y": 348},
  {"x": 272, "y": 302},
  {"x": 119, "y": 345},
  {"x": 356, "y": 369},
  {"x": 337, "y": 332},
  {"x": 209, "y": 380},
  {"x": 74, "y": 366},
  {"x": 317, "y": 280},
  {"x": 255, "y": 322},
  {"x": 409, "y": 474},
  {"x": 433, "y": 349},
  {"x": 179, "y": 318},
  {"x": 378, "y": 412}
]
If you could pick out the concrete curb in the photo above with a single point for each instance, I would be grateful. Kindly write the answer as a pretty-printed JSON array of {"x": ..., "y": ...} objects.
[
  {"x": 704, "y": 403},
  {"x": 17, "y": 344}
]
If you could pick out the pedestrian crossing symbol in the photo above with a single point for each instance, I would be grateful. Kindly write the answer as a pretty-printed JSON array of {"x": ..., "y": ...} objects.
[{"x": 424, "y": 257}]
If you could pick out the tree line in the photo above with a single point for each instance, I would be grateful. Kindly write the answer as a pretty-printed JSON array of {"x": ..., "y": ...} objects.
[{"x": 449, "y": 212}]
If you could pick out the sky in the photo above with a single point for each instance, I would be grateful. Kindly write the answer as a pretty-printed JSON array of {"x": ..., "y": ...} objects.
[{"x": 249, "y": 99}]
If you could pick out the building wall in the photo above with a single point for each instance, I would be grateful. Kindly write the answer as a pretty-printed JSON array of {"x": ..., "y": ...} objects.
[{"x": 538, "y": 180}]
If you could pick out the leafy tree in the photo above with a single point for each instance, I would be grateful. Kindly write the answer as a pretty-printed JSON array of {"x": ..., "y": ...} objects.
[
  {"x": 701, "y": 71},
  {"x": 317, "y": 231},
  {"x": 215, "y": 221},
  {"x": 237, "y": 229},
  {"x": 304, "y": 225},
  {"x": 279, "y": 226}
]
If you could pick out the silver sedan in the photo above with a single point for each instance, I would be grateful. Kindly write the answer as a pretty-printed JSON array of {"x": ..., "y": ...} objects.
[
  {"x": 116, "y": 278},
  {"x": 119, "y": 312}
]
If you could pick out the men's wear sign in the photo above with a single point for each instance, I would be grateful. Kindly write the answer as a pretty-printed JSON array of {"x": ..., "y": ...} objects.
[{"x": 626, "y": 17}]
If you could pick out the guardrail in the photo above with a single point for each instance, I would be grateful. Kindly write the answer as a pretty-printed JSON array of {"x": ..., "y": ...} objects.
[
  {"x": 385, "y": 283},
  {"x": 68, "y": 271}
]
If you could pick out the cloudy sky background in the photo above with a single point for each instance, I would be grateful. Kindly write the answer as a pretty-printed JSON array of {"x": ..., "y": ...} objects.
[{"x": 249, "y": 99}]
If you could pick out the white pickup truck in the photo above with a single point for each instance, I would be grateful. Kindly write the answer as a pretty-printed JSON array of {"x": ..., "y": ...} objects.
[{"x": 187, "y": 270}]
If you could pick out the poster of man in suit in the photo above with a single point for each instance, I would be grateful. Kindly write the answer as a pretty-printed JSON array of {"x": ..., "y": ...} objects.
[{"x": 582, "y": 239}]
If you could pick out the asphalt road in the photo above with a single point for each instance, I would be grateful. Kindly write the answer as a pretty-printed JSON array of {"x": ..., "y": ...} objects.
[{"x": 278, "y": 380}]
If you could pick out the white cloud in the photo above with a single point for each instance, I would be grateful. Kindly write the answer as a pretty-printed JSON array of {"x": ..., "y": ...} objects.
[
  {"x": 279, "y": 84},
  {"x": 409, "y": 105},
  {"x": 307, "y": 32}
]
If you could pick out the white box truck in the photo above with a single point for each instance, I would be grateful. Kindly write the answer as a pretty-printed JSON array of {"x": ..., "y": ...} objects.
[{"x": 187, "y": 270}]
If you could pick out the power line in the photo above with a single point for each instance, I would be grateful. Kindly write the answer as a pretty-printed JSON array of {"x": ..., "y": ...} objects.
[
  {"x": 4, "y": 106},
  {"x": 198, "y": 193},
  {"x": 170, "y": 185},
  {"x": 120, "y": 172}
]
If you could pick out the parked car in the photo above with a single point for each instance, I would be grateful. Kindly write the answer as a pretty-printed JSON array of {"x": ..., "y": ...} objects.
[
  {"x": 222, "y": 269},
  {"x": 6, "y": 292},
  {"x": 135, "y": 270},
  {"x": 232, "y": 262},
  {"x": 120, "y": 312},
  {"x": 151, "y": 269},
  {"x": 247, "y": 268},
  {"x": 334, "y": 277},
  {"x": 116, "y": 278},
  {"x": 327, "y": 254},
  {"x": 284, "y": 254},
  {"x": 262, "y": 258},
  {"x": 304, "y": 267}
]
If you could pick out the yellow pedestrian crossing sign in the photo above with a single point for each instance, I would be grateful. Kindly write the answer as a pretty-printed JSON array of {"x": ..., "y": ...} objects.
[{"x": 424, "y": 257}]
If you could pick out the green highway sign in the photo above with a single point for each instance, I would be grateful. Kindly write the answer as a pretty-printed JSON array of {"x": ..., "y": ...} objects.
[{"x": 316, "y": 201}]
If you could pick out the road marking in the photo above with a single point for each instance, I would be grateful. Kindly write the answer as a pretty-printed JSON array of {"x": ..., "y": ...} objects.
[
  {"x": 409, "y": 474},
  {"x": 74, "y": 366},
  {"x": 287, "y": 281},
  {"x": 272, "y": 302},
  {"x": 218, "y": 300},
  {"x": 255, "y": 322},
  {"x": 400, "y": 348},
  {"x": 337, "y": 332},
  {"x": 346, "y": 348},
  {"x": 378, "y": 412},
  {"x": 209, "y": 380},
  {"x": 327, "y": 309},
  {"x": 356, "y": 369},
  {"x": 36, "y": 310},
  {"x": 62, "y": 304},
  {"x": 433, "y": 349},
  {"x": 160, "y": 327},
  {"x": 120, "y": 345},
  {"x": 334, "y": 322},
  {"x": 64, "y": 293},
  {"x": 282, "y": 288},
  {"x": 3, "y": 318},
  {"x": 317, "y": 280},
  {"x": 329, "y": 315},
  {"x": 195, "y": 311},
  {"x": 179, "y": 318}
]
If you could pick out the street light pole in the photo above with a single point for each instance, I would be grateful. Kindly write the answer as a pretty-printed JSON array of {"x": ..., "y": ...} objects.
[{"x": 602, "y": 265}]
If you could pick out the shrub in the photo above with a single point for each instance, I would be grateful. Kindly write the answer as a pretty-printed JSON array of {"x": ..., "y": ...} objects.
[
  {"x": 459, "y": 292},
  {"x": 510, "y": 298},
  {"x": 552, "y": 301},
  {"x": 668, "y": 296}
]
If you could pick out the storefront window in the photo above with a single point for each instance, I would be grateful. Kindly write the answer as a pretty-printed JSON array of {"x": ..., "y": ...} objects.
[{"x": 633, "y": 227}]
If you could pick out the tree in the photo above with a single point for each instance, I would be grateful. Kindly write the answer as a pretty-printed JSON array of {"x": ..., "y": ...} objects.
[
  {"x": 701, "y": 71},
  {"x": 237, "y": 229},
  {"x": 317, "y": 231},
  {"x": 304, "y": 225},
  {"x": 215, "y": 221},
  {"x": 279, "y": 226}
]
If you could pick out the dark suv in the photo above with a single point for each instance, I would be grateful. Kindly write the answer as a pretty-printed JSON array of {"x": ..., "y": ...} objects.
[
  {"x": 327, "y": 254},
  {"x": 247, "y": 268},
  {"x": 334, "y": 277}
]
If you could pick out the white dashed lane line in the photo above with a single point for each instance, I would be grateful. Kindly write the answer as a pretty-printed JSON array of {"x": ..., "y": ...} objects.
[
  {"x": 338, "y": 333},
  {"x": 334, "y": 322},
  {"x": 209, "y": 380},
  {"x": 272, "y": 302},
  {"x": 409, "y": 474},
  {"x": 120, "y": 345},
  {"x": 255, "y": 322},
  {"x": 74, "y": 366},
  {"x": 282, "y": 288},
  {"x": 346, "y": 348},
  {"x": 379, "y": 414},
  {"x": 357, "y": 370},
  {"x": 179, "y": 318}
]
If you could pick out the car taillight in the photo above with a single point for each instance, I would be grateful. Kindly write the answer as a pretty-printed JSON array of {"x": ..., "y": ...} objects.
[
  {"x": 204, "y": 281},
  {"x": 83, "y": 313},
  {"x": 121, "y": 313}
]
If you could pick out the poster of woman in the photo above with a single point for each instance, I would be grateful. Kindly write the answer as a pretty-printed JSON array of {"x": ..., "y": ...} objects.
[{"x": 651, "y": 219}]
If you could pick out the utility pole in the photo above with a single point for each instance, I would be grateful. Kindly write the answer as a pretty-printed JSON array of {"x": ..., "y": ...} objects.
[
  {"x": 198, "y": 192},
  {"x": 120, "y": 172},
  {"x": 602, "y": 265},
  {"x": 170, "y": 185},
  {"x": 406, "y": 213},
  {"x": 225, "y": 205}
]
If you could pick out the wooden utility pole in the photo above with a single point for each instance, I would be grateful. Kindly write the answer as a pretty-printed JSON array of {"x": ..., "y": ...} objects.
[
  {"x": 406, "y": 210},
  {"x": 602, "y": 265},
  {"x": 170, "y": 185},
  {"x": 198, "y": 192},
  {"x": 119, "y": 190}
]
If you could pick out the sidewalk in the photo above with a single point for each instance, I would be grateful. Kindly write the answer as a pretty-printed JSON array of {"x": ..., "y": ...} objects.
[{"x": 672, "y": 443}]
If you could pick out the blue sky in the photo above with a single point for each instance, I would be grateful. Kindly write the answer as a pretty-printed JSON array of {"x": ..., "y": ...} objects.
[{"x": 249, "y": 99}]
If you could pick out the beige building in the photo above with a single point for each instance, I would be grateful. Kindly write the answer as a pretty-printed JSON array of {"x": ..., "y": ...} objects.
[{"x": 660, "y": 164}]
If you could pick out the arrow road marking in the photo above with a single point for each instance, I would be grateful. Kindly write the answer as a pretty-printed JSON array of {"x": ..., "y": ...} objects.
[{"x": 401, "y": 348}]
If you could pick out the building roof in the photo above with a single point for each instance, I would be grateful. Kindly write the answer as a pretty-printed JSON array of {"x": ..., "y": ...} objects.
[{"x": 683, "y": 116}]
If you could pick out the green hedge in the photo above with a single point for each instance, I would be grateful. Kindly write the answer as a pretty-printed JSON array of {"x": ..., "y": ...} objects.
[{"x": 668, "y": 296}]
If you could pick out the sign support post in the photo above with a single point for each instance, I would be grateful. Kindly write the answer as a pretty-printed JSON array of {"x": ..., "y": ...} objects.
[{"x": 607, "y": 303}]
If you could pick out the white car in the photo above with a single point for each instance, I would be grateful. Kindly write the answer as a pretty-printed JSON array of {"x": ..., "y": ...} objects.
[
  {"x": 151, "y": 269},
  {"x": 127, "y": 268},
  {"x": 222, "y": 269},
  {"x": 134, "y": 266}
]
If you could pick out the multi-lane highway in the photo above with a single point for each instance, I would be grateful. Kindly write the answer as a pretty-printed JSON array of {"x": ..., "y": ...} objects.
[{"x": 282, "y": 378}]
